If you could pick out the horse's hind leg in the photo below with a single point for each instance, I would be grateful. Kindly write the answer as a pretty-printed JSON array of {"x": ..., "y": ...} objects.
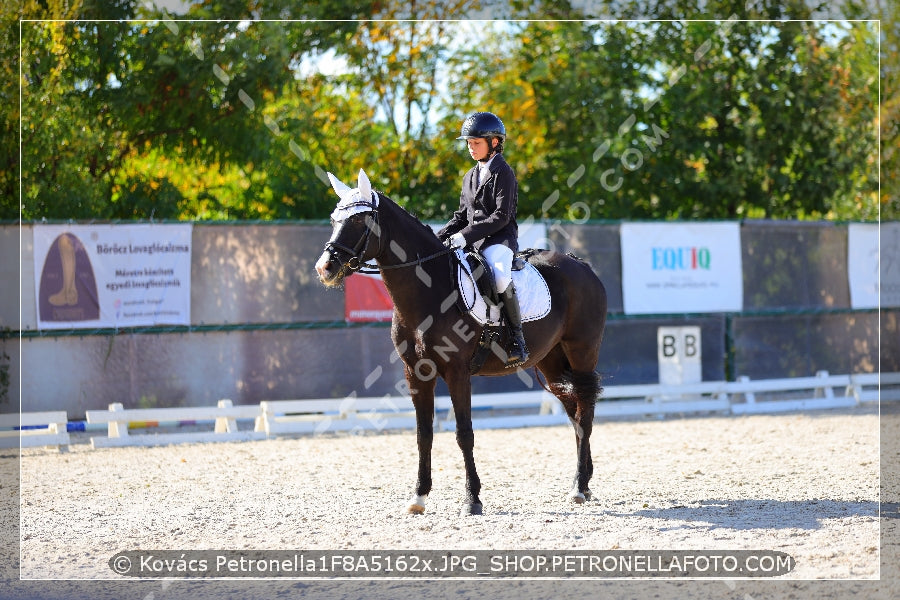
[
  {"x": 585, "y": 382},
  {"x": 584, "y": 386},
  {"x": 577, "y": 390}
]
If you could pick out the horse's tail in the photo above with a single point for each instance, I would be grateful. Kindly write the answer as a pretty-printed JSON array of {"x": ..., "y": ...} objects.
[{"x": 574, "y": 385}]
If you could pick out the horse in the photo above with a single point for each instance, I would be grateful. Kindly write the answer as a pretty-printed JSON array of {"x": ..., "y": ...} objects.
[{"x": 435, "y": 338}]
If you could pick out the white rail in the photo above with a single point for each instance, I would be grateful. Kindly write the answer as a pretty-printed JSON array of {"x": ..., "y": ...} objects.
[
  {"x": 224, "y": 414},
  {"x": 521, "y": 409},
  {"x": 33, "y": 429}
]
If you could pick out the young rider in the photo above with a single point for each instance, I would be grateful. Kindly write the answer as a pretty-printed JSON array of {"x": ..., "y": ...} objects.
[{"x": 486, "y": 219}]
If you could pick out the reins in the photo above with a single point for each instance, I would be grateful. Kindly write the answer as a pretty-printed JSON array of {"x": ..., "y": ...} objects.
[
  {"x": 354, "y": 263},
  {"x": 372, "y": 269}
]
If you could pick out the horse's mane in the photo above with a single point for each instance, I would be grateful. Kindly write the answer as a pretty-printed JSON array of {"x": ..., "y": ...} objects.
[{"x": 413, "y": 218}]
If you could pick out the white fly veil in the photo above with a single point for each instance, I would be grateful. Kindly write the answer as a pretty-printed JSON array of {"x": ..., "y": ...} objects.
[{"x": 353, "y": 200}]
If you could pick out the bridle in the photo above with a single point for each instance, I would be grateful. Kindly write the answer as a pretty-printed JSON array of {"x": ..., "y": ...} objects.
[{"x": 355, "y": 263}]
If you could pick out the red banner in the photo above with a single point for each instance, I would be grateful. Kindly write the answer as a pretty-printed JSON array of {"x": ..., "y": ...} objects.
[{"x": 366, "y": 299}]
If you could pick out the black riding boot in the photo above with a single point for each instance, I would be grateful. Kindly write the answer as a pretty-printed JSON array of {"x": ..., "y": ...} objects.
[{"x": 518, "y": 353}]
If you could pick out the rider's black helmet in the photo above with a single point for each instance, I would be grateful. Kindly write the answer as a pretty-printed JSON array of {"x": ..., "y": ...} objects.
[{"x": 482, "y": 125}]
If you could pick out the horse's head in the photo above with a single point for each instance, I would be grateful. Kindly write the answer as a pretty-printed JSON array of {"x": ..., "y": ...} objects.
[{"x": 354, "y": 222}]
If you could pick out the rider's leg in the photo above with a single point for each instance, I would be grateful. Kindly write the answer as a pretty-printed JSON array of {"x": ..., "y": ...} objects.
[{"x": 500, "y": 258}]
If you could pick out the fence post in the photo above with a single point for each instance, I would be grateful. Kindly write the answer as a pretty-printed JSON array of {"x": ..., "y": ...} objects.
[
  {"x": 825, "y": 391},
  {"x": 117, "y": 429},
  {"x": 224, "y": 424}
]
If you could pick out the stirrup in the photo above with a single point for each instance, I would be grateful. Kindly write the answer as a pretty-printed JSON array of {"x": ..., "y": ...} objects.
[
  {"x": 519, "y": 354},
  {"x": 511, "y": 363}
]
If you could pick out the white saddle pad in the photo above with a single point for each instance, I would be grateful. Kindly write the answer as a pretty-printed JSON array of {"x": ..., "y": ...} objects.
[{"x": 531, "y": 290}]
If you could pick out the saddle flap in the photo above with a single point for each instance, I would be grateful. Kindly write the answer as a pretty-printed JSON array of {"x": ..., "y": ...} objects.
[{"x": 483, "y": 276}]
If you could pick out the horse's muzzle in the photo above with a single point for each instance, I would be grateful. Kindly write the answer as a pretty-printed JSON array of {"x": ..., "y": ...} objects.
[{"x": 328, "y": 269}]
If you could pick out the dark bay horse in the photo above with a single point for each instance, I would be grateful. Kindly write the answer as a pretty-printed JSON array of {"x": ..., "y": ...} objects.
[{"x": 435, "y": 338}]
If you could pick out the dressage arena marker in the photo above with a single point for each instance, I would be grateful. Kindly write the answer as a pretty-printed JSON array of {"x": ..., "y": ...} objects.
[{"x": 277, "y": 417}]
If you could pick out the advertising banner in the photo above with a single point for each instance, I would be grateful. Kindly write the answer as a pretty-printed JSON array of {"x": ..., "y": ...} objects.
[
  {"x": 889, "y": 234},
  {"x": 90, "y": 276},
  {"x": 366, "y": 299},
  {"x": 862, "y": 264},
  {"x": 681, "y": 268}
]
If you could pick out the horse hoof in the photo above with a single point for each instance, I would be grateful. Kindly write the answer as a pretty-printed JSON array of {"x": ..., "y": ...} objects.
[
  {"x": 416, "y": 505},
  {"x": 577, "y": 497},
  {"x": 471, "y": 509},
  {"x": 588, "y": 495}
]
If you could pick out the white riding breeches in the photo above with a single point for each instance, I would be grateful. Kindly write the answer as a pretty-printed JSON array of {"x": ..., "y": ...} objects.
[{"x": 500, "y": 258}]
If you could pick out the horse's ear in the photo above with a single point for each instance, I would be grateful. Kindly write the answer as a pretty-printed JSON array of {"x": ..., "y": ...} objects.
[
  {"x": 365, "y": 187},
  {"x": 342, "y": 189}
]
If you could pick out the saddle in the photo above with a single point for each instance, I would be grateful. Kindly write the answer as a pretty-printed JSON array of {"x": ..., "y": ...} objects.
[
  {"x": 484, "y": 275},
  {"x": 495, "y": 334}
]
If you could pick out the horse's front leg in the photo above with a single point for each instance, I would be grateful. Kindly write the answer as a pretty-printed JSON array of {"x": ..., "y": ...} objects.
[
  {"x": 422, "y": 393},
  {"x": 460, "y": 386}
]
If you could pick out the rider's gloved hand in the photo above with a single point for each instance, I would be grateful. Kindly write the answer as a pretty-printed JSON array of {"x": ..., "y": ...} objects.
[{"x": 455, "y": 241}]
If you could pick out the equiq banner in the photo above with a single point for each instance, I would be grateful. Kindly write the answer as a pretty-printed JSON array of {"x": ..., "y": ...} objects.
[
  {"x": 873, "y": 264},
  {"x": 889, "y": 234},
  {"x": 862, "y": 264},
  {"x": 681, "y": 268},
  {"x": 112, "y": 275}
]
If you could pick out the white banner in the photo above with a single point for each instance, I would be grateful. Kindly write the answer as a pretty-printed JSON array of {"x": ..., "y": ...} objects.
[
  {"x": 681, "y": 268},
  {"x": 112, "y": 275},
  {"x": 890, "y": 264},
  {"x": 862, "y": 264}
]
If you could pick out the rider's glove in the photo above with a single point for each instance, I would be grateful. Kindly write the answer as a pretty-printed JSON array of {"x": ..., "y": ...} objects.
[{"x": 456, "y": 241}]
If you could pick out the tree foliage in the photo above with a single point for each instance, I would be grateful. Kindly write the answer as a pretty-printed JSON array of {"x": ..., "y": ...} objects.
[
  {"x": 149, "y": 117},
  {"x": 889, "y": 124},
  {"x": 159, "y": 118}
]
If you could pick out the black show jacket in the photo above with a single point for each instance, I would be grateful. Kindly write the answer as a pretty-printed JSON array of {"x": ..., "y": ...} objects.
[{"x": 487, "y": 215}]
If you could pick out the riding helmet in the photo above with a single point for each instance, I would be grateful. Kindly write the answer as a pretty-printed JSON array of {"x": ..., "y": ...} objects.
[{"x": 482, "y": 125}]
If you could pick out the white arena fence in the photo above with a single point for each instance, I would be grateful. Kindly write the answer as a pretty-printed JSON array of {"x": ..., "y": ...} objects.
[
  {"x": 272, "y": 418},
  {"x": 29, "y": 430}
]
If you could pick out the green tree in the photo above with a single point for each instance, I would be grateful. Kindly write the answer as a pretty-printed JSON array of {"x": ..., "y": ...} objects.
[
  {"x": 10, "y": 14},
  {"x": 757, "y": 123},
  {"x": 398, "y": 67},
  {"x": 889, "y": 124},
  {"x": 223, "y": 119},
  {"x": 99, "y": 97},
  {"x": 682, "y": 119}
]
